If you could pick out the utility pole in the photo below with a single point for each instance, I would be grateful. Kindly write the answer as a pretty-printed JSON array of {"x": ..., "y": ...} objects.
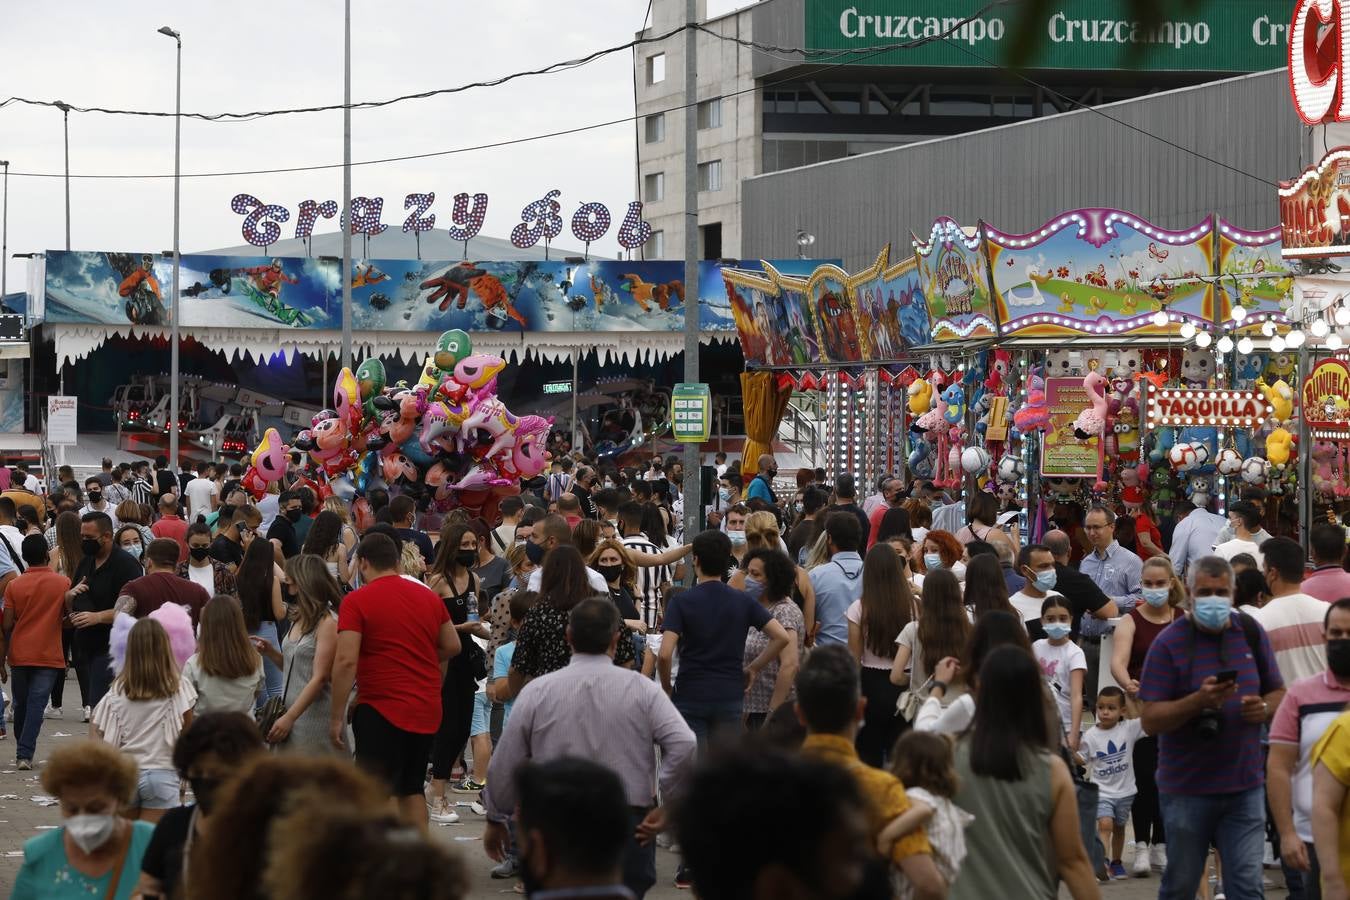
[
  {"x": 175, "y": 377},
  {"x": 693, "y": 457},
  {"x": 65, "y": 128},
  {"x": 347, "y": 186}
]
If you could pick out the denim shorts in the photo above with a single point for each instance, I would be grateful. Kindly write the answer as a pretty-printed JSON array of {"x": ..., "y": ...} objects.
[
  {"x": 1116, "y": 809},
  {"x": 156, "y": 789},
  {"x": 482, "y": 715}
]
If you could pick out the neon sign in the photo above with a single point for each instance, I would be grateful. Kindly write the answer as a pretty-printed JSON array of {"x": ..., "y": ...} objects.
[{"x": 1319, "y": 47}]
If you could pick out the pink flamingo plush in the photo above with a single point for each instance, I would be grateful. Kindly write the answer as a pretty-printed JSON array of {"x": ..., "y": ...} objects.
[{"x": 1091, "y": 422}]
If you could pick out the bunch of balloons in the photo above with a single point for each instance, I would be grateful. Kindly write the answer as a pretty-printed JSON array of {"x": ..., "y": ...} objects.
[{"x": 447, "y": 439}]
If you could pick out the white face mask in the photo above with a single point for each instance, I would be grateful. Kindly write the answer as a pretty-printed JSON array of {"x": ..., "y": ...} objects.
[{"x": 89, "y": 832}]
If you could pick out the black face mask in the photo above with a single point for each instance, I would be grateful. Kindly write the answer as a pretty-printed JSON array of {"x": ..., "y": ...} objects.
[
  {"x": 89, "y": 546},
  {"x": 227, "y": 511},
  {"x": 294, "y": 514},
  {"x": 466, "y": 558},
  {"x": 1338, "y": 657},
  {"x": 205, "y": 790},
  {"x": 610, "y": 573},
  {"x": 534, "y": 552},
  {"x": 95, "y": 496},
  {"x": 199, "y": 553}
]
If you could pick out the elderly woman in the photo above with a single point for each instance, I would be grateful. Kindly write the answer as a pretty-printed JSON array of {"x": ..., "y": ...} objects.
[{"x": 96, "y": 852}]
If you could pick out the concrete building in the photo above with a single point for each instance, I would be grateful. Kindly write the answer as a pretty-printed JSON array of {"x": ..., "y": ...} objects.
[
  {"x": 1241, "y": 137},
  {"x": 764, "y": 106}
]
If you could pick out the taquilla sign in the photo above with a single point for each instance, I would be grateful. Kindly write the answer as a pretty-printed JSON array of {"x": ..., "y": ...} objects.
[{"x": 1212, "y": 36}]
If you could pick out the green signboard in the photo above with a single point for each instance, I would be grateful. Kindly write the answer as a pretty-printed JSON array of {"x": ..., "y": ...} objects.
[
  {"x": 1206, "y": 36},
  {"x": 691, "y": 413},
  {"x": 557, "y": 387}
]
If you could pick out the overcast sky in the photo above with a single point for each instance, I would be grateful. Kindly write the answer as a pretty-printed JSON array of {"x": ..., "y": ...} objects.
[{"x": 288, "y": 53}]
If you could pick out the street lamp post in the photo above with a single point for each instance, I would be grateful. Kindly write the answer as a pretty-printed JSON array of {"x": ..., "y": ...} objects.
[
  {"x": 347, "y": 187},
  {"x": 4, "y": 235},
  {"x": 65, "y": 128},
  {"x": 174, "y": 376}
]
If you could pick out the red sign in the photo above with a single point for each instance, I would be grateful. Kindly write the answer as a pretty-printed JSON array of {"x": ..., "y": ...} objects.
[
  {"x": 1319, "y": 49},
  {"x": 1222, "y": 409},
  {"x": 1315, "y": 208}
]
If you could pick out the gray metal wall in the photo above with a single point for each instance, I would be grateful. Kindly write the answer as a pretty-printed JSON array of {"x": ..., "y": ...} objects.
[{"x": 1019, "y": 176}]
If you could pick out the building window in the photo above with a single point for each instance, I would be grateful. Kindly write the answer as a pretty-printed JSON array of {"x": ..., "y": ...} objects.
[
  {"x": 656, "y": 68},
  {"x": 655, "y": 128},
  {"x": 710, "y": 114},
  {"x": 655, "y": 248},
  {"x": 710, "y": 175},
  {"x": 654, "y": 187}
]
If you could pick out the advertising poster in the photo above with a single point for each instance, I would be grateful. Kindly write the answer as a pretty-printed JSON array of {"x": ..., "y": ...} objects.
[
  {"x": 1253, "y": 253},
  {"x": 952, "y": 271},
  {"x": 1101, "y": 271},
  {"x": 216, "y": 291},
  {"x": 891, "y": 301},
  {"x": 1062, "y": 454}
]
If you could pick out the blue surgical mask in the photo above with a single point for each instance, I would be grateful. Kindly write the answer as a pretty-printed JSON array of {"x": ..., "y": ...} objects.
[
  {"x": 1156, "y": 597},
  {"x": 932, "y": 560},
  {"x": 754, "y": 587},
  {"x": 724, "y": 494},
  {"x": 1056, "y": 630},
  {"x": 1045, "y": 581},
  {"x": 737, "y": 537},
  {"x": 1212, "y": 613}
]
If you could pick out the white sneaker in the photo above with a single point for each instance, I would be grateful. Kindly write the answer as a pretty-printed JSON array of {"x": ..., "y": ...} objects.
[
  {"x": 52, "y": 712},
  {"x": 86, "y": 715},
  {"x": 444, "y": 816},
  {"x": 1158, "y": 856},
  {"x": 1140, "y": 867}
]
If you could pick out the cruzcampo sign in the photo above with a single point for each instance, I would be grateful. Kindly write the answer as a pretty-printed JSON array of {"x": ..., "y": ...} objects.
[
  {"x": 691, "y": 413},
  {"x": 1205, "y": 36}
]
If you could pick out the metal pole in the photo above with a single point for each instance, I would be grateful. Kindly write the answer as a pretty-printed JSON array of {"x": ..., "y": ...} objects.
[
  {"x": 576, "y": 386},
  {"x": 4, "y": 239},
  {"x": 693, "y": 457},
  {"x": 347, "y": 186},
  {"x": 65, "y": 127},
  {"x": 175, "y": 376}
]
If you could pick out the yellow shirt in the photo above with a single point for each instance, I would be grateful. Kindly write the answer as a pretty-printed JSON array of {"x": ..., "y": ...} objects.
[
  {"x": 882, "y": 792},
  {"x": 1333, "y": 751}
]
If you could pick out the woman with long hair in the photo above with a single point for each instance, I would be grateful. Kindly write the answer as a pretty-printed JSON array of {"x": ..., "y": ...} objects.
[
  {"x": 129, "y": 512},
  {"x": 982, "y": 521},
  {"x": 1025, "y": 837},
  {"x": 894, "y": 523},
  {"x": 260, "y": 598},
  {"x": 1164, "y": 596},
  {"x": 325, "y": 541},
  {"x": 491, "y": 570},
  {"x": 148, "y": 706},
  {"x": 68, "y": 552},
  {"x": 875, "y": 621},
  {"x": 761, "y": 533},
  {"x": 227, "y": 669},
  {"x": 952, "y": 716},
  {"x": 307, "y": 659},
  {"x": 349, "y": 538},
  {"x": 612, "y": 560},
  {"x": 941, "y": 630},
  {"x": 452, "y": 578},
  {"x": 920, "y": 518},
  {"x": 773, "y": 571},
  {"x": 986, "y": 588}
]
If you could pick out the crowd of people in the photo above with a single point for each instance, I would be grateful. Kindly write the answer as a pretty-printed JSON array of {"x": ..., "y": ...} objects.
[{"x": 938, "y": 705}]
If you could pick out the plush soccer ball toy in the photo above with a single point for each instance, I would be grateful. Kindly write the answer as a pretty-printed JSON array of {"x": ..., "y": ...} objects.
[
  {"x": 1230, "y": 462},
  {"x": 1253, "y": 470},
  {"x": 1011, "y": 469},
  {"x": 974, "y": 460},
  {"x": 1186, "y": 457}
]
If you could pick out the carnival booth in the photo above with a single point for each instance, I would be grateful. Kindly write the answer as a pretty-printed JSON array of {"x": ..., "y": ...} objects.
[
  {"x": 1133, "y": 365},
  {"x": 843, "y": 340}
]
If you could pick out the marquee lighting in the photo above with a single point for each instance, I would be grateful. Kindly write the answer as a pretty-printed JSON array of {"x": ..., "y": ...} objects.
[
  {"x": 1244, "y": 237},
  {"x": 1203, "y": 340},
  {"x": 1268, "y": 328},
  {"x": 1187, "y": 331},
  {"x": 1239, "y": 313},
  {"x": 468, "y": 219},
  {"x": 1320, "y": 328},
  {"x": 1334, "y": 342},
  {"x": 1294, "y": 340},
  {"x": 1316, "y": 61},
  {"x": 590, "y": 222},
  {"x": 1225, "y": 344},
  {"x": 419, "y": 203},
  {"x": 1208, "y": 408},
  {"x": 1277, "y": 344},
  {"x": 1245, "y": 345},
  {"x": 310, "y": 212},
  {"x": 634, "y": 231},
  {"x": 1160, "y": 319},
  {"x": 1342, "y": 315}
]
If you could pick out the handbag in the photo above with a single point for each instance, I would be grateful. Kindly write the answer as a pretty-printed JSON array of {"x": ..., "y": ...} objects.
[
  {"x": 910, "y": 700},
  {"x": 275, "y": 707}
]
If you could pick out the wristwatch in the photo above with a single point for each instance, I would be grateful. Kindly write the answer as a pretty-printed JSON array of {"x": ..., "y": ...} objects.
[{"x": 939, "y": 684}]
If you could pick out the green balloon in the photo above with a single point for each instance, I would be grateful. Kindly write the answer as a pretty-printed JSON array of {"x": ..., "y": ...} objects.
[
  {"x": 370, "y": 378},
  {"x": 451, "y": 347}
]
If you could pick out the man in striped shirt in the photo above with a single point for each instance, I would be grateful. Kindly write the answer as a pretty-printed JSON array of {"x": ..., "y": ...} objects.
[{"x": 649, "y": 578}]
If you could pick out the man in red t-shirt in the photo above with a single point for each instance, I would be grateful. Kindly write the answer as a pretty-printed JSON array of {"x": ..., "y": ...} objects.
[
  {"x": 395, "y": 638},
  {"x": 162, "y": 585},
  {"x": 171, "y": 525},
  {"x": 35, "y": 605}
]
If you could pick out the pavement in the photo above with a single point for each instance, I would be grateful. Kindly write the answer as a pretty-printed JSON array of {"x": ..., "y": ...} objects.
[{"x": 22, "y": 816}]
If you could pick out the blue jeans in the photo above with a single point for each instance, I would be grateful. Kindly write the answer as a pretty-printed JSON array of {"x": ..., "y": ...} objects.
[
  {"x": 1233, "y": 823},
  {"x": 32, "y": 687},
  {"x": 709, "y": 719},
  {"x": 273, "y": 677}
]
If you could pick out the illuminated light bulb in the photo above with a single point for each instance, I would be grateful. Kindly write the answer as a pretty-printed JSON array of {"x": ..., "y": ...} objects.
[
  {"x": 1320, "y": 328},
  {"x": 1225, "y": 344},
  {"x": 1245, "y": 345},
  {"x": 1294, "y": 339},
  {"x": 1160, "y": 318},
  {"x": 1277, "y": 344},
  {"x": 1334, "y": 342},
  {"x": 1343, "y": 315},
  {"x": 1239, "y": 313},
  {"x": 1203, "y": 340},
  {"x": 1187, "y": 331},
  {"x": 1267, "y": 328}
]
